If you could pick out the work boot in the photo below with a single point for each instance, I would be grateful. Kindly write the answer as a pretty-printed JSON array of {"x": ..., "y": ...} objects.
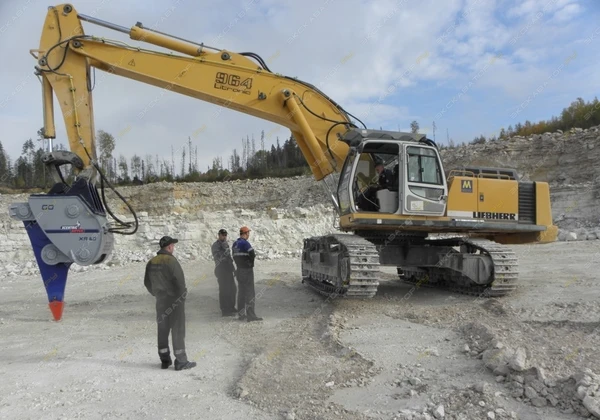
[
  {"x": 166, "y": 363},
  {"x": 254, "y": 318},
  {"x": 186, "y": 365}
]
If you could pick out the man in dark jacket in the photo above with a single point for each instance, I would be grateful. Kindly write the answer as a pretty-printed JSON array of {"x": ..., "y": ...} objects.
[
  {"x": 224, "y": 270},
  {"x": 386, "y": 177},
  {"x": 165, "y": 280},
  {"x": 244, "y": 255},
  {"x": 367, "y": 200}
]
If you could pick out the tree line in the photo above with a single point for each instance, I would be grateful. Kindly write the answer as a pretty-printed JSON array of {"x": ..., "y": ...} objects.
[
  {"x": 579, "y": 114},
  {"x": 252, "y": 160}
]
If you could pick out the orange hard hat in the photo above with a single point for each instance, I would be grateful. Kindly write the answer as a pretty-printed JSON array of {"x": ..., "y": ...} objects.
[{"x": 244, "y": 229}]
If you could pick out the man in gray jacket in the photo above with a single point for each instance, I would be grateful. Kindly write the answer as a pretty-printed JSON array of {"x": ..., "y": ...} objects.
[
  {"x": 224, "y": 270},
  {"x": 165, "y": 280}
]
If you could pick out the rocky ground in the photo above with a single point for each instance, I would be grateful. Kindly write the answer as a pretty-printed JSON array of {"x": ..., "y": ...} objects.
[{"x": 408, "y": 353}]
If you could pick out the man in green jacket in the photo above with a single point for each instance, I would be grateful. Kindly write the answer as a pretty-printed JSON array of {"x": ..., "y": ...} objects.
[{"x": 165, "y": 280}]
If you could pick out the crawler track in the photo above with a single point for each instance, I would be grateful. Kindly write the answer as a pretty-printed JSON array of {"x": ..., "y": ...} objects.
[
  {"x": 505, "y": 275},
  {"x": 347, "y": 265},
  {"x": 358, "y": 272}
]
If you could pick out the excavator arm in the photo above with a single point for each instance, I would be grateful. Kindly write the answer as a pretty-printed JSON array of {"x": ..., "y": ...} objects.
[
  {"x": 234, "y": 80},
  {"x": 69, "y": 224}
]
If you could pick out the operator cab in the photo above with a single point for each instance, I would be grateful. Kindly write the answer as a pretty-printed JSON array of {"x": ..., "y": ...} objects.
[{"x": 393, "y": 173}]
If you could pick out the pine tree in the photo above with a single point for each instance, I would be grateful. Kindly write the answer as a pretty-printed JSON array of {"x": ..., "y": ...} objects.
[
  {"x": 414, "y": 126},
  {"x": 254, "y": 163},
  {"x": 4, "y": 172},
  {"x": 106, "y": 144},
  {"x": 244, "y": 154},
  {"x": 262, "y": 147},
  {"x": 136, "y": 167},
  {"x": 183, "y": 163},
  {"x": 39, "y": 169},
  {"x": 172, "y": 160},
  {"x": 279, "y": 154},
  {"x": 26, "y": 165},
  {"x": 191, "y": 155},
  {"x": 123, "y": 170}
]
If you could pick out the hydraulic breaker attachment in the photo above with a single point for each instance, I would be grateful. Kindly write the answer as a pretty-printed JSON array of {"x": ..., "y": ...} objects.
[{"x": 65, "y": 226}]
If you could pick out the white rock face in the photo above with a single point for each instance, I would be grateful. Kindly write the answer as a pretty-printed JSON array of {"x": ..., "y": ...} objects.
[
  {"x": 280, "y": 213},
  {"x": 270, "y": 238}
]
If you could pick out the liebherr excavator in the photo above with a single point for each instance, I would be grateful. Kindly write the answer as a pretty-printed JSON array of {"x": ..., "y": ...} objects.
[{"x": 484, "y": 208}]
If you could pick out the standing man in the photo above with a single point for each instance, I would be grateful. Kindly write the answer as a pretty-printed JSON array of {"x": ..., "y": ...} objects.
[
  {"x": 165, "y": 280},
  {"x": 244, "y": 256},
  {"x": 224, "y": 270}
]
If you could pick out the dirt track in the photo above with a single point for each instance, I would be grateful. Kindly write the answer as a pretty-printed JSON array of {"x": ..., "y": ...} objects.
[{"x": 399, "y": 355}]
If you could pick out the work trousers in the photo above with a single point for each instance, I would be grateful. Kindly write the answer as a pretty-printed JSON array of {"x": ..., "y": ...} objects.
[
  {"x": 227, "y": 290},
  {"x": 246, "y": 295},
  {"x": 170, "y": 318}
]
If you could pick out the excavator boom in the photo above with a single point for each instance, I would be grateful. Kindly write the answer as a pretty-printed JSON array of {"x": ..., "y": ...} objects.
[{"x": 233, "y": 80}]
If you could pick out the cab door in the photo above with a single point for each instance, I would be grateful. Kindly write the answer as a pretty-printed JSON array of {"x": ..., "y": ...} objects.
[{"x": 424, "y": 187}]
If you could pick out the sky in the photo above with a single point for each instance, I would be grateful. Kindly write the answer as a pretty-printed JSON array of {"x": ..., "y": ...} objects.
[{"x": 471, "y": 66}]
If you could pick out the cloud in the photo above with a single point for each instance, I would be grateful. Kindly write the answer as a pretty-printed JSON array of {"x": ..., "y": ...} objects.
[
  {"x": 535, "y": 8},
  {"x": 380, "y": 114},
  {"x": 567, "y": 13}
]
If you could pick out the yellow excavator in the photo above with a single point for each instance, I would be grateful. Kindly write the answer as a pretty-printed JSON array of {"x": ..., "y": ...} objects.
[{"x": 447, "y": 229}]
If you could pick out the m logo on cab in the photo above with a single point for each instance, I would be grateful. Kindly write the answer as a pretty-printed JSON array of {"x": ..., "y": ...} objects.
[{"x": 466, "y": 186}]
